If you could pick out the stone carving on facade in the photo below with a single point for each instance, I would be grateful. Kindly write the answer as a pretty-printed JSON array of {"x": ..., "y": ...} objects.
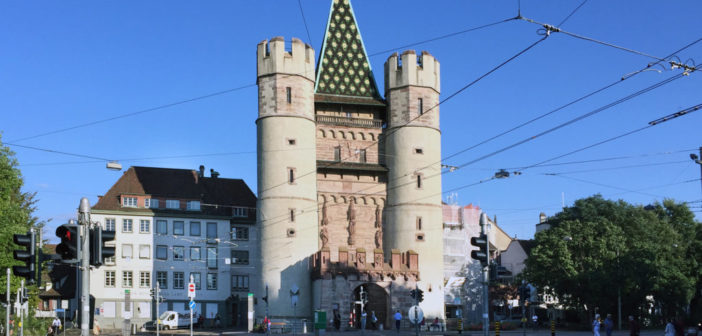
[
  {"x": 325, "y": 219},
  {"x": 378, "y": 222},
  {"x": 351, "y": 215},
  {"x": 324, "y": 236},
  {"x": 379, "y": 259},
  {"x": 379, "y": 238},
  {"x": 362, "y": 258}
]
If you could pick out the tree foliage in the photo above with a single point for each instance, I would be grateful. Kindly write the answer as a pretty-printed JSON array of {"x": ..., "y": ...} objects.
[
  {"x": 16, "y": 208},
  {"x": 598, "y": 247}
]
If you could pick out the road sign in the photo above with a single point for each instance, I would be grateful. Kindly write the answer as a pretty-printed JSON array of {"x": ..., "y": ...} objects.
[
  {"x": 415, "y": 314},
  {"x": 60, "y": 310},
  {"x": 192, "y": 304},
  {"x": 191, "y": 290}
]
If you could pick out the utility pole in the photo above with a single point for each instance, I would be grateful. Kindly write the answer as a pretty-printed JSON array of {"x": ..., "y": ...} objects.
[
  {"x": 7, "y": 311},
  {"x": 416, "y": 304},
  {"x": 158, "y": 301},
  {"x": 486, "y": 275},
  {"x": 84, "y": 243},
  {"x": 20, "y": 298}
]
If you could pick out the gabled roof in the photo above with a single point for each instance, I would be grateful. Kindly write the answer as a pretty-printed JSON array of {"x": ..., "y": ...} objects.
[
  {"x": 216, "y": 194},
  {"x": 343, "y": 68},
  {"x": 527, "y": 245}
]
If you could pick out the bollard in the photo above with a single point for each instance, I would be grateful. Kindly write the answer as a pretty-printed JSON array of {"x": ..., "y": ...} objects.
[
  {"x": 460, "y": 326},
  {"x": 497, "y": 328},
  {"x": 553, "y": 328}
]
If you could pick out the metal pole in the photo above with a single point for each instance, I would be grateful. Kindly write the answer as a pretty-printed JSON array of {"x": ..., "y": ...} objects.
[
  {"x": 486, "y": 301},
  {"x": 21, "y": 311},
  {"x": 7, "y": 311},
  {"x": 619, "y": 307},
  {"x": 191, "y": 311},
  {"x": 84, "y": 234},
  {"x": 158, "y": 301},
  {"x": 268, "y": 329},
  {"x": 416, "y": 310}
]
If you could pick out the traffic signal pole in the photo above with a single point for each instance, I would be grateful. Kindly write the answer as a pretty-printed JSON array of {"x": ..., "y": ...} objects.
[
  {"x": 84, "y": 241},
  {"x": 486, "y": 279},
  {"x": 7, "y": 310}
]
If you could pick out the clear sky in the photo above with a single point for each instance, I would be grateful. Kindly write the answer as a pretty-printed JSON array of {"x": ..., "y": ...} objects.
[{"x": 70, "y": 63}]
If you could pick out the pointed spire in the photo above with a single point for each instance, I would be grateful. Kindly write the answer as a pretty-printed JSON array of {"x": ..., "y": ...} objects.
[{"x": 344, "y": 67}]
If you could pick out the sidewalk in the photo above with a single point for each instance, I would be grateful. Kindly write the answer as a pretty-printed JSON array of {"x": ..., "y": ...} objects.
[{"x": 403, "y": 332}]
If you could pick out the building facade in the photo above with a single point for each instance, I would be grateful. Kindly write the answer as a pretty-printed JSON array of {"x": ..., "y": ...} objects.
[
  {"x": 171, "y": 225},
  {"x": 349, "y": 182}
]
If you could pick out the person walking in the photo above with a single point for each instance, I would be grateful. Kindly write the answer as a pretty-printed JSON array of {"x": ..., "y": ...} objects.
[
  {"x": 609, "y": 325},
  {"x": 374, "y": 320},
  {"x": 596, "y": 325},
  {"x": 670, "y": 328},
  {"x": 364, "y": 316},
  {"x": 535, "y": 321},
  {"x": 56, "y": 325},
  {"x": 634, "y": 326},
  {"x": 398, "y": 320}
]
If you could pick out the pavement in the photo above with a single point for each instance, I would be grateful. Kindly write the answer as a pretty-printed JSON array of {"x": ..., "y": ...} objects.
[{"x": 403, "y": 332}]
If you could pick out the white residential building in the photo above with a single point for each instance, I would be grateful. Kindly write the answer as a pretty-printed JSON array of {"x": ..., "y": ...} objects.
[{"x": 172, "y": 224}]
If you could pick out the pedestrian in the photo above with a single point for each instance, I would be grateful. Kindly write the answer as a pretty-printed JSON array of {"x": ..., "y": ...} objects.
[
  {"x": 634, "y": 326},
  {"x": 56, "y": 325},
  {"x": 364, "y": 316},
  {"x": 596, "y": 325},
  {"x": 609, "y": 325},
  {"x": 398, "y": 320},
  {"x": 679, "y": 327},
  {"x": 670, "y": 328},
  {"x": 374, "y": 320},
  {"x": 337, "y": 319}
]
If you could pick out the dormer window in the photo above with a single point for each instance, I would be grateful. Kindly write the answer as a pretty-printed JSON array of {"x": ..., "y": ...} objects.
[
  {"x": 193, "y": 205},
  {"x": 240, "y": 212},
  {"x": 129, "y": 202},
  {"x": 172, "y": 204}
]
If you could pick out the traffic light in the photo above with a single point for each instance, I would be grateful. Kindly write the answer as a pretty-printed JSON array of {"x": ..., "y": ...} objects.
[
  {"x": 98, "y": 251},
  {"x": 63, "y": 279},
  {"x": 68, "y": 248},
  {"x": 413, "y": 294},
  {"x": 482, "y": 253},
  {"x": 364, "y": 297},
  {"x": 420, "y": 295},
  {"x": 27, "y": 256}
]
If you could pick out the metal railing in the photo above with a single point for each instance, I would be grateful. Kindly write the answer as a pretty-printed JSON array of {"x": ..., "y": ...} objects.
[{"x": 351, "y": 122}]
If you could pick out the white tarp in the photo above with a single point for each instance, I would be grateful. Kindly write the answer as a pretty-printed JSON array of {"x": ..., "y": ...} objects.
[
  {"x": 144, "y": 309},
  {"x": 108, "y": 309}
]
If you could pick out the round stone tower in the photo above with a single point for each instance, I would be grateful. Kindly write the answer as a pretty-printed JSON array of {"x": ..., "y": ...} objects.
[
  {"x": 287, "y": 192},
  {"x": 413, "y": 156}
]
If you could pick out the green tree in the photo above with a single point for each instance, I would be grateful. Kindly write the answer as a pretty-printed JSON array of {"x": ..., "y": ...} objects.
[
  {"x": 16, "y": 208},
  {"x": 598, "y": 247}
]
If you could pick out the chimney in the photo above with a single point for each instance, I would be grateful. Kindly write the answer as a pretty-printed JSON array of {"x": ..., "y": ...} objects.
[{"x": 202, "y": 171}]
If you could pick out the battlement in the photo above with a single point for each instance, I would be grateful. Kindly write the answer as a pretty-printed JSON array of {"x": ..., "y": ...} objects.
[
  {"x": 272, "y": 58},
  {"x": 410, "y": 69},
  {"x": 356, "y": 262}
]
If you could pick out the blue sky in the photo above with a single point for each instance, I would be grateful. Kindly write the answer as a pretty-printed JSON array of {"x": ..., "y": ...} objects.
[{"x": 69, "y": 63}]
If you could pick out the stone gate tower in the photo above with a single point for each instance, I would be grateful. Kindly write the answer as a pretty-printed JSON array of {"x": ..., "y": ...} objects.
[
  {"x": 348, "y": 181},
  {"x": 287, "y": 191}
]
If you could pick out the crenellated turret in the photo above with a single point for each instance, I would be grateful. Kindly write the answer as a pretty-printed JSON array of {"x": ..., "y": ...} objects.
[
  {"x": 413, "y": 148},
  {"x": 287, "y": 161}
]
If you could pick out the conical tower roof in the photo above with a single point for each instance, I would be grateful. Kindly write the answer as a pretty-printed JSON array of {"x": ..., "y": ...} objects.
[{"x": 343, "y": 68}]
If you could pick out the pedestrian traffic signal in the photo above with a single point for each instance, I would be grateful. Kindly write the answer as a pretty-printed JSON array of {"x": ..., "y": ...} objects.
[
  {"x": 482, "y": 253},
  {"x": 98, "y": 251},
  {"x": 420, "y": 295},
  {"x": 68, "y": 248},
  {"x": 63, "y": 279},
  {"x": 26, "y": 256},
  {"x": 413, "y": 294}
]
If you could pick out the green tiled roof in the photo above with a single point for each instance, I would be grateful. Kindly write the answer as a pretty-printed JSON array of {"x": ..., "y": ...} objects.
[{"x": 343, "y": 67}]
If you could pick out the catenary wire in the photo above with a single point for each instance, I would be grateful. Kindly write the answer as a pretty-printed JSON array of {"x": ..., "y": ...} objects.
[
  {"x": 571, "y": 13},
  {"x": 120, "y": 116},
  {"x": 304, "y": 20}
]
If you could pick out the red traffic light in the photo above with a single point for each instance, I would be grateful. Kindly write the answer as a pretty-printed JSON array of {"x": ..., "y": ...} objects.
[{"x": 68, "y": 248}]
